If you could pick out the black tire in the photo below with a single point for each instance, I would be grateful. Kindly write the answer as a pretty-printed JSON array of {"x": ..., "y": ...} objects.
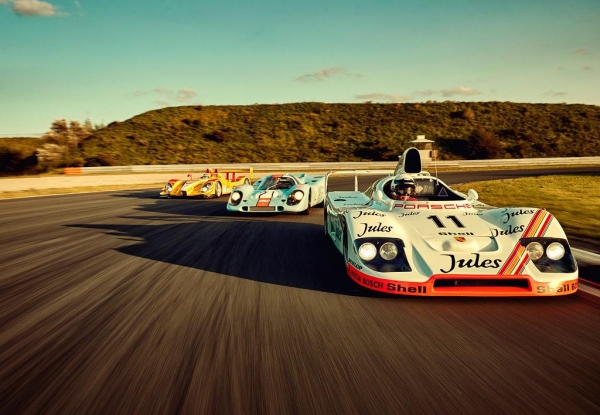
[
  {"x": 307, "y": 210},
  {"x": 345, "y": 236},
  {"x": 218, "y": 189},
  {"x": 325, "y": 220}
]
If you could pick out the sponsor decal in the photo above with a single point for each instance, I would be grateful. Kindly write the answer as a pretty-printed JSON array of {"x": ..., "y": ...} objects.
[
  {"x": 508, "y": 215},
  {"x": 509, "y": 231},
  {"x": 562, "y": 289},
  {"x": 460, "y": 239},
  {"x": 354, "y": 264},
  {"x": 414, "y": 206},
  {"x": 475, "y": 262},
  {"x": 373, "y": 228},
  {"x": 408, "y": 214},
  {"x": 378, "y": 284},
  {"x": 264, "y": 199},
  {"x": 367, "y": 213}
]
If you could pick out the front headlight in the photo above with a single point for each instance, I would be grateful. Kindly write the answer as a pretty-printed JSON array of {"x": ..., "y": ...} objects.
[
  {"x": 535, "y": 250},
  {"x": 367, "y": 251},
  {"x": 388, "y": 251},
  {"x": 298, "y": 195},
  {"x": 235, "y": 198},
  {"x": 169, "y": 187},
  {"x": 555, "y": 251}
]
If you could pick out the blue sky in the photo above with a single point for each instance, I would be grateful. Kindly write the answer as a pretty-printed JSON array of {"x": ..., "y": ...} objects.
[{"x": 109, "y": 61}]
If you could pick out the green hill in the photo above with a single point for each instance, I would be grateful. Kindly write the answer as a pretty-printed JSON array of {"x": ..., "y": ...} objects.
[
  {"x": 310, "y": 132},
  {"x": 313, "y": 131}
]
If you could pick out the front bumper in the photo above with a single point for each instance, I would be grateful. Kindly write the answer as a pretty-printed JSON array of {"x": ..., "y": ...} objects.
[{"x": 467, "y": 285}]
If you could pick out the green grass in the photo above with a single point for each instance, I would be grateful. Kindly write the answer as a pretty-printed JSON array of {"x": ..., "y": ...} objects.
[{"x": 573, "y": 199}]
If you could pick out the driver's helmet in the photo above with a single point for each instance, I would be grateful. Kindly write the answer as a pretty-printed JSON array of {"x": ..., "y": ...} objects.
[{"x": 403, "y": 185}]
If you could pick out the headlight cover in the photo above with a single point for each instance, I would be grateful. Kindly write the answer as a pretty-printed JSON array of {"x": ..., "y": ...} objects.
[
  {"x": 555, "y": 251},
  {"x": 382, "y": 254},
  {"x": 367, "y": 251},
  {"x": 388, "y": 251},
  {"x": 535, "y": 250},
  {"x": 235, "y": 198},
  {"x": 556, "y": 256},
  {"x": 295, "y": 197}
]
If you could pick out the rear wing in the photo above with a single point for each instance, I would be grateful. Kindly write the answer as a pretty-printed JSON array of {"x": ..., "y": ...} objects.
[
  {"x": 230, "y": 174},
  {"x": 356, "y": 173}
]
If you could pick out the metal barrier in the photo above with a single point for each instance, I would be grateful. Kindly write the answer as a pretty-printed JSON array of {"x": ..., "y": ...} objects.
[{"x": 371, "y": 165}]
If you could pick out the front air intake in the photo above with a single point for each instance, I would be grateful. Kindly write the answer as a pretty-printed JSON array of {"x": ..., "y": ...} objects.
[{"x": 468, "y": 282}]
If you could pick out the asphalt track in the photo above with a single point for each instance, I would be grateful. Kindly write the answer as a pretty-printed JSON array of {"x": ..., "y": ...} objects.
[{"x": 122, "y": 303}]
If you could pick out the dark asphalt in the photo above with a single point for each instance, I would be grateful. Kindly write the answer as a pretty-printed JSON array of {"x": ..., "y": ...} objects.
[{"x": 122, "y": 303}]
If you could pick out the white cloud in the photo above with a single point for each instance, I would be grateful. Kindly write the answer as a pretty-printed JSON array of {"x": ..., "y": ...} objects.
[
  {"x": 324, "y": 74},
  {"x": 33, "y": 8},
  {"x": 165, "y": 96},
  {"x": 378, "y": 96},
  {"x": 462, "y": 90}
]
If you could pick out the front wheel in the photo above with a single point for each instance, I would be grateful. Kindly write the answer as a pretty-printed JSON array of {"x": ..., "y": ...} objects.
[
  {"x": 218, "y": 189},
  {"x": 307, "y": 210}
]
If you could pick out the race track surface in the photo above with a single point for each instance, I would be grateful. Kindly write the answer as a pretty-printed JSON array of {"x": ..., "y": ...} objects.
[{"x": 123, "y": 303}]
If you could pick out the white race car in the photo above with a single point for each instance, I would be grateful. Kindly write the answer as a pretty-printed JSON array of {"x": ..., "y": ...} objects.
[
  {"x": 277, "y": 193},
  {"x": 431, "y": 240}
]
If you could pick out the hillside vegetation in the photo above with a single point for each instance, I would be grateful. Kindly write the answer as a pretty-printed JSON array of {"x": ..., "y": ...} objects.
[{"x": 308, "y": 132}]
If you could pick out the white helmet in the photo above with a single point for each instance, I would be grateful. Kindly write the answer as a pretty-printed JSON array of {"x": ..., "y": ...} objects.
[{"x": 403, "y": 185}]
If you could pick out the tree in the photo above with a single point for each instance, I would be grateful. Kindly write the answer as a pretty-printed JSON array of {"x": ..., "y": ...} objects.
[
  {"x": 483, "y": 145},
  {"x": 61, "y": 144}
]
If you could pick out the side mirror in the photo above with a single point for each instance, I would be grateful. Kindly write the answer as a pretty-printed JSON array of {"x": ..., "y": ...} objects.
[
  {"x": 378, "y": 195},
  {"x": 472, "y": 195}
]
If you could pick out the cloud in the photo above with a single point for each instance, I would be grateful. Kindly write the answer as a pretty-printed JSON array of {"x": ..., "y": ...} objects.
[
  {"x": 165, "y": 95},
  {"x": 324, "y": 74},
  {"x": 462, "y": 90},
  {"x": 33, "y": 8},
  {"x": 555, "y": 94},
  {"x": 378, "y": 96}
]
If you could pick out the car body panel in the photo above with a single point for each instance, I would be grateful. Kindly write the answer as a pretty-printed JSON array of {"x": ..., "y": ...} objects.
[
  {"x": 274, "y": 193},
  {"x": 448, "y": 243},
  {"x": 212, "y": 183}
]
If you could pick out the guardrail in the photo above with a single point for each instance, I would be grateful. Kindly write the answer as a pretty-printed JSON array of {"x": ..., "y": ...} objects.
[{"x": 371, "y": 165}]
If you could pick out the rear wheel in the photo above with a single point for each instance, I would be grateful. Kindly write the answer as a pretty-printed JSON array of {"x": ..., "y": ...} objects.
[{"x": 218, "y": 189}]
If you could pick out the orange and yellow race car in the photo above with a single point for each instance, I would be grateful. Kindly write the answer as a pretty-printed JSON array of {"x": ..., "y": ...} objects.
[{"x": 212, "y": 183}]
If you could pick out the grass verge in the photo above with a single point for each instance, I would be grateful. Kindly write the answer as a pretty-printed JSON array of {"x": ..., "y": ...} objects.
[{"x": 573, "y": 199}]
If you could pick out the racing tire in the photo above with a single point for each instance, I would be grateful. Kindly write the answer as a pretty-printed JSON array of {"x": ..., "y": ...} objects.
[
  {"x": 345, "y": 244},
  {"x": 307, "y": 210},
  {"x": 218, "y": 189},
  {"x": 325, "y": 219}
]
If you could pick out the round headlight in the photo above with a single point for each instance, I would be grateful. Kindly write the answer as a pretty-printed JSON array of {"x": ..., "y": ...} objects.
[
  {"x": 169, "y": 187},
  {"x": 235, "y": 196},
  {"x": 388, "y": 251},
  {"x": 205, "y": 188},
  {"x": 535, "y": 250},
  {"x": 367, "y": 251},
  {"x": 298, "y": 195},
  {"x": 208, "y": 185},
  {"x": 555, "y": 251}
]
